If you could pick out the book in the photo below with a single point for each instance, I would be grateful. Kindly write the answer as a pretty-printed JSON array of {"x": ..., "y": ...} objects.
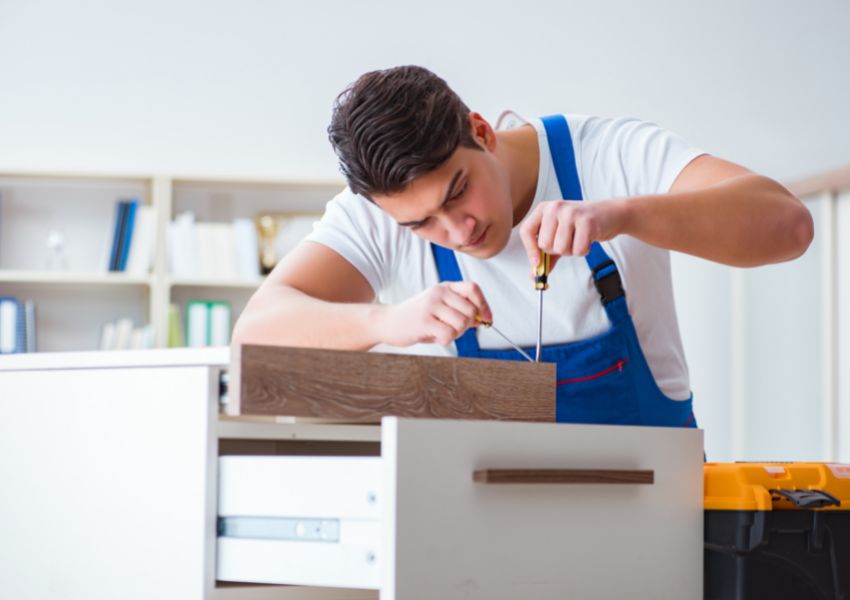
[
  {"x": 10, "y": 323},
  {"x": 207, "y": 323},
  {"x": 182, "y": 246},
  {"x": 127, "y": 232},
  {"x": 142, "y": 338},
  {"x": 20, "y": 328},
  {"x": 115, "y": 248},
  {"x": 107, "y": 337},
  {"x": 175, "y": 329},
  {"x": 31, "y": 344},
  {"x": 215, "y": 250},
  {"x": 247, "y": 248},
  {"x": 225, "y": 250},
  {"x": 142, "y": 246},
  {"x": 123, "y": 333},
  {"x": 219, "y": 329},
  {"x": 197, "y": 324}
]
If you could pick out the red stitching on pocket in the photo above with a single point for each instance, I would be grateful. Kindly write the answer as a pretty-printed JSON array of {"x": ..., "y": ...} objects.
[{"x": 611, "y": 369}]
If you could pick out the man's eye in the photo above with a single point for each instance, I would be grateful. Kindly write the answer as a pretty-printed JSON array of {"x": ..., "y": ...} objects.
[
  {"x": 460, "y": 192},
  {"x": 420, "y": 224}
]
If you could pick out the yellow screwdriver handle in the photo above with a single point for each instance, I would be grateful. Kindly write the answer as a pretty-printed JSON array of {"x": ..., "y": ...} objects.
[
  {"x": 482, "y": 321},
  {"x": 541, "y": 272}
]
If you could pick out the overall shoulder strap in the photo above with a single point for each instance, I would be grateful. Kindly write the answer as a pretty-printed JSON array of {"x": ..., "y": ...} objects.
[
  {"x": 448, "y": 270},
  {"x": 606, "y": 277}
]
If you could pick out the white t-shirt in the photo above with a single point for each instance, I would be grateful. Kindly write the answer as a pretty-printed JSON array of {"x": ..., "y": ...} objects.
[{"x": 614, "y": 158}]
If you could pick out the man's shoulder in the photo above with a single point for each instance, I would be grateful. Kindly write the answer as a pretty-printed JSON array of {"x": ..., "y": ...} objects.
[
  {"x": 358, "y": 207},
  {"x": 355, "y": 217}
]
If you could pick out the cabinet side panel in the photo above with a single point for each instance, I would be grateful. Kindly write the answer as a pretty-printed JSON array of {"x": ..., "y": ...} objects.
[{"x": 106, "y": 477}]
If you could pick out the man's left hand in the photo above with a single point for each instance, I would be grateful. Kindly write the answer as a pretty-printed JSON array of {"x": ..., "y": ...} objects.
[{"x": 567, "y": 227}]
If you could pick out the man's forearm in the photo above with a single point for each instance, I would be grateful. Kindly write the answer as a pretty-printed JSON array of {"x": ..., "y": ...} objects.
[
  {"x": 744, "y": 221},
  {"x": 281, "y": 315}
]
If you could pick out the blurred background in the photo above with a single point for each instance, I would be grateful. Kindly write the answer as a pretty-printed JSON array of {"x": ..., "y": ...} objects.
[{"x": 215, "y": 113}]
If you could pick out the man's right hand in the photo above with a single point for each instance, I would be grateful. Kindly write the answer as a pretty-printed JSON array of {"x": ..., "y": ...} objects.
[{"x": 440, "y": 314}]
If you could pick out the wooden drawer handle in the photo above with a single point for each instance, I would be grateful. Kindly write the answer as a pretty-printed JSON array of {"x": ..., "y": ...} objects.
[{"x": 563, "y": 476}]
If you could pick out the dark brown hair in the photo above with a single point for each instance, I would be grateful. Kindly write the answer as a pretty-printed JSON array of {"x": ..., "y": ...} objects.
[{"x": 391, "y": 126}]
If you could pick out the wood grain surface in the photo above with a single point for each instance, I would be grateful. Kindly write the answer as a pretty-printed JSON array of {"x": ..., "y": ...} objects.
[
  {"x": 563, "y": 476},
  {"x": 364, "y": 386}
]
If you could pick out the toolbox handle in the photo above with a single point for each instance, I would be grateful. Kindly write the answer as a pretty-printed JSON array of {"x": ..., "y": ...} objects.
[
  {"x": 806, "y": 498},
  {"x": 563, "y": 476}
]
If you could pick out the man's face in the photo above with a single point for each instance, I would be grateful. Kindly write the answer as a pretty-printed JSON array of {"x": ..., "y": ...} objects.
[{"x": 464, "y": 205}]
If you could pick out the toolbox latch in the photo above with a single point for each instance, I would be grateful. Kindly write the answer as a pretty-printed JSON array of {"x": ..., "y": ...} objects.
[{"x": 807, "y": 498}]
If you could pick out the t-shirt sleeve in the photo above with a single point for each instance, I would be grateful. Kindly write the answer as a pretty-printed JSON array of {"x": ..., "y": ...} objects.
[
  {"x": 361, "y": 233},
  {"x": 647, "y": 157}
]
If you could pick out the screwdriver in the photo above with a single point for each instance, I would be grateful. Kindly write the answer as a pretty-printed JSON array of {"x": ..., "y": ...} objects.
[
  {"x": 489, "y": 324},
  {"x": 541, "y": 282}
]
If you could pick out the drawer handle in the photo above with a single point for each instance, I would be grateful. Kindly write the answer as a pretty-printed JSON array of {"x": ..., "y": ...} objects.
[{"x": 563, "y": 476}]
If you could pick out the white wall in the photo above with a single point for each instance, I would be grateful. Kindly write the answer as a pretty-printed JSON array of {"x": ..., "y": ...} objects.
[{"x": 245, "y": 88}]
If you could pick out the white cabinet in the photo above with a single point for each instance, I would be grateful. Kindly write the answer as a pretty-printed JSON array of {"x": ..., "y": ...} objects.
[{"x": 126, "y": 483}]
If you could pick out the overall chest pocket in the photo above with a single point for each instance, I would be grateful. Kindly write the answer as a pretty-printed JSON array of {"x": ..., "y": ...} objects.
[{"x": 597, "y": 390}]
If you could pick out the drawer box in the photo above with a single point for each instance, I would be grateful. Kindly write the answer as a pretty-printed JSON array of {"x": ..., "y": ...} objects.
[
  {"x": 300, "y": 486},
  {"x": 300, "y": 520},
  {"x": 475, "y": 509}
]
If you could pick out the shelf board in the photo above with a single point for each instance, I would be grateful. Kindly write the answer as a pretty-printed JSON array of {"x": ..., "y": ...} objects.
[
  {"x": 62, "y": 278},
  {"x": 215, "y": 282}
]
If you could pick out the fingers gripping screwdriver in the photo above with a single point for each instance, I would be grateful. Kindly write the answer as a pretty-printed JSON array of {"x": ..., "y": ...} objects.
[{"x": 541, "y": 282}]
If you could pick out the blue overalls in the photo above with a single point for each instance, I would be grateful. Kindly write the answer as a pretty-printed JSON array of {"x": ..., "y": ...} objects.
[{"x": 604, "y": 379}]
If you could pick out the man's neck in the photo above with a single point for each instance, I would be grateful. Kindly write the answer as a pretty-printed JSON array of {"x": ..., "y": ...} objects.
[{"x": 519, "y": 151}]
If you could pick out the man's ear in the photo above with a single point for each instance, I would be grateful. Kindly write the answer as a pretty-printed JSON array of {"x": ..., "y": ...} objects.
[{"x": 482, "y": 132}]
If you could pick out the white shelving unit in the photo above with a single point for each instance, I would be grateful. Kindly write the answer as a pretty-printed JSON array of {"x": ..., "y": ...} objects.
[{"x": 73, "y": 303}]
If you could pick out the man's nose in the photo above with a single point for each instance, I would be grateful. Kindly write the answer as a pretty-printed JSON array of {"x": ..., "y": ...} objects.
[{"x": 460, "y": 228}]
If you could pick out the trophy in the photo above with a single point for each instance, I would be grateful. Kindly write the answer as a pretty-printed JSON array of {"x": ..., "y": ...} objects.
[{"x": 267, "y": 229}]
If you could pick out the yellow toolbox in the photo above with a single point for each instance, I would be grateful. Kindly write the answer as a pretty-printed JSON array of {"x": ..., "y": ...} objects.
[{"x": 777, "y": 530}]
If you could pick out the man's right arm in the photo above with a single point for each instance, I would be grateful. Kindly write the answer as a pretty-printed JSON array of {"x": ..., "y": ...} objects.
[{"x": 315, "y": 298}]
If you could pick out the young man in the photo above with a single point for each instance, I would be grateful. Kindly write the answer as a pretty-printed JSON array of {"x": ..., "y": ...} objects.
[{"x": 444, "y": 219}]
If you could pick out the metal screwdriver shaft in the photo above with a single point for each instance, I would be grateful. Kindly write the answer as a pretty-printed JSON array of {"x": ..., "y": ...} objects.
[
  {"x": 489, "y": 324},
  {"x": 541, "y": 282}
]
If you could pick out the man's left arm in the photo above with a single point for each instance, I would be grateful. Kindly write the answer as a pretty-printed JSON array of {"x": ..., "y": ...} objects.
[
  {"x": 715, "y": 210},
  {"x": 722, "y": 212}
]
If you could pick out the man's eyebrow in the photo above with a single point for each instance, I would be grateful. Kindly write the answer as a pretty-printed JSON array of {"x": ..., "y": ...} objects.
[{"x": 448, "y": 195}]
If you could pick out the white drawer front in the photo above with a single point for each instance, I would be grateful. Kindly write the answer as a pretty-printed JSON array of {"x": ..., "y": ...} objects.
[
  {"x": 300, "y": 520},
  {"x": 450, "y": 537}
]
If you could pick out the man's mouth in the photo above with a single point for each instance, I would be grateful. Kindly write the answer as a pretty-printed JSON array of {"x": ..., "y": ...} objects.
[{"x": 478, "y": 240}]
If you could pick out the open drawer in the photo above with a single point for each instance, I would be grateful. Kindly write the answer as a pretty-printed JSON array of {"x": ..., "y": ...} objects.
[
  {"x": 305, "y": 520},
  {"x": 474, "y": 509}
]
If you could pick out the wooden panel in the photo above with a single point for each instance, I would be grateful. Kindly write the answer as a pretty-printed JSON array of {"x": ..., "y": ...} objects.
[
  {"x": 363, "y": 386},
  {"x": 232, "y": 447},
  {"x": 562, "y": 476}
]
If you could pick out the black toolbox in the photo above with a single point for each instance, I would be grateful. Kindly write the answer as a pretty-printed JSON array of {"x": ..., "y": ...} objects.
[{"x": 776, "y": 531}]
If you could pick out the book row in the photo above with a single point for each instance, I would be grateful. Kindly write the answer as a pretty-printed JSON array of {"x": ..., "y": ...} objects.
[
  {"x": 17, "y": 325},
  {"x": 241, "y": 249}
]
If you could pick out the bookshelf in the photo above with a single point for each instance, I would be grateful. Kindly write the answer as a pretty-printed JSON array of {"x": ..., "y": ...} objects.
[{"x": 77, "y": 296}]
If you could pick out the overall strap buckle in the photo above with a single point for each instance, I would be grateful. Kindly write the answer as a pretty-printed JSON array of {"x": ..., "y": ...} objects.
[{"x": 607, "y": 280}]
